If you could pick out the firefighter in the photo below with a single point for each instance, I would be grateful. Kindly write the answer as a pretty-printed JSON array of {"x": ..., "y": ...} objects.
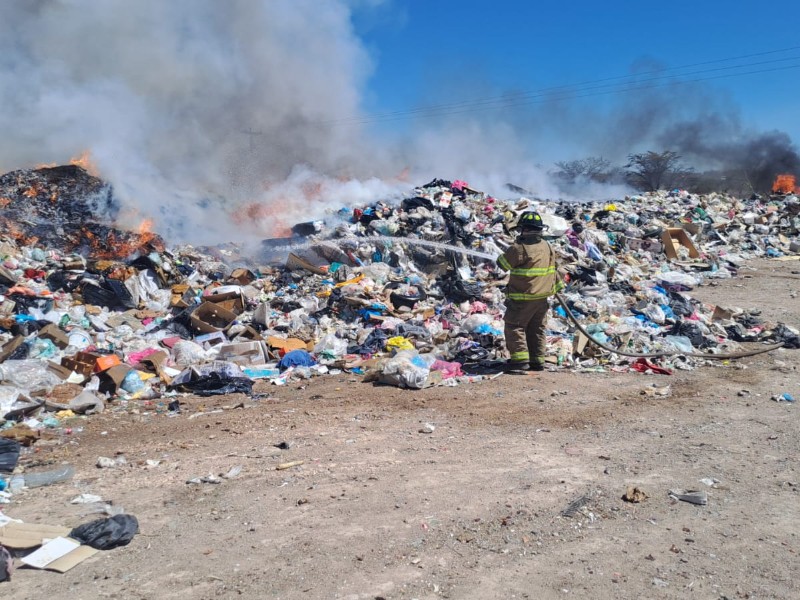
[{"x": 531, "y": 264}]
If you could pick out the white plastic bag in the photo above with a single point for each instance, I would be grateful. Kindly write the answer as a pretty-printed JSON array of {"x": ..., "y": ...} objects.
[
  {"x": 186, "y": 353},
  {"x": 331, "y": 345},
  {"x": 406, "y": 369}
]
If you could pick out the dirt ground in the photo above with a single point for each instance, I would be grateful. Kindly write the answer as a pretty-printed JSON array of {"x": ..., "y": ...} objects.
[{"x": 475, "y": 509}]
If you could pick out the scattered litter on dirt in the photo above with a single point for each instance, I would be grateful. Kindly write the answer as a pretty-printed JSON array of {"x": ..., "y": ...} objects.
[
  {"x": 691, "y": 496},
  {"x": 99, "y": 324},
  {"x": 634, "y": 495}
]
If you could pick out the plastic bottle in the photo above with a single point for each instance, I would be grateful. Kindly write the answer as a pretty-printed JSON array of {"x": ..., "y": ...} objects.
[
  {"x": 561, "y": 356},
  {"x": 32, "y": 480}
]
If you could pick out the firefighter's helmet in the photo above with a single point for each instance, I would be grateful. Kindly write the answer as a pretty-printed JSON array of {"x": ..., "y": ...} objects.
[{"x": 530, "y": 221}]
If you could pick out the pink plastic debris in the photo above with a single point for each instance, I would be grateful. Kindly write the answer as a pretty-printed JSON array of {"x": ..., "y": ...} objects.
[{"x": 447, "y": 369}]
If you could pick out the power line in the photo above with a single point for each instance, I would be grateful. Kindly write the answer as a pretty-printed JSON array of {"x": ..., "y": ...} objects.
[
  {"x": 510, "y": 102},
  {"x": 516, "y": 99},
  {"x": 637, "y": 88},
  {"x": 504, "y": 100}
]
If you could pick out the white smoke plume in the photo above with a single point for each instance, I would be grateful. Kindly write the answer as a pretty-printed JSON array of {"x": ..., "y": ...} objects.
[
  {"x": 190, "y": 108},
  {"x": 236, "y": 119}
]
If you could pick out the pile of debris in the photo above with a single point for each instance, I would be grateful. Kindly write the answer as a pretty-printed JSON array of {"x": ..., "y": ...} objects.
[
  {"x": 68, "y": 209},
  {"x": 406, "y": 294}
]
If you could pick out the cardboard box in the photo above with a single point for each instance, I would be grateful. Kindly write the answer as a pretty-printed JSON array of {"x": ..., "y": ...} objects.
[
  {"x": 287, "y": 344},
  {"x": 579, "y": 344},
  {"x": 210, "y": 318},
  {"x": 183, "y": 295},
  {"x": 24, "y": 536},
  {"x": 675, "y": 237},
  {"x": 212, "y": 339},
  {"x": 242, "y": 276},
  {"x": 692, "y": 228},
  {"x": 722, "y": 313},
  {"x": 111, "y": 379},
  {"x": 248, "y": 333},
  {"x": 59, "y": 370},
  {"x": 645, "y": 245},
  {"x": 157, "y": 363},
  {"x": 245, "y": 353},
  {"x": 10, "y": 347},
  {"x": 59, "y": 554},
  {"x": 296, "y": 263},
  {"x": 53, "y": 333},
  {"x": 232, "y": 301},
  {"x": 7, "y": 307},
  {"x": 82, "y": 363}
]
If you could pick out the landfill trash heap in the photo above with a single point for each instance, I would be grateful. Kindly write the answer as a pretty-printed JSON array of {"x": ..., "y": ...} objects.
[
  {"x": 66, "y": 208},
  {"x": 404, "y": 293}
]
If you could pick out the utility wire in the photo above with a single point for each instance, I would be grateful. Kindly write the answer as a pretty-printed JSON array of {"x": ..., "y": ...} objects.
[
  {"x": 501, "y": 101},
  {"x": 567, "y": 93},
  {"x": 572, "y": 96}
]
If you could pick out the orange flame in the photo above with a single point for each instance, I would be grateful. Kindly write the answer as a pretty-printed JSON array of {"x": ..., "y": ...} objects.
[
  {"x": 122, "y": 244},
  {"x": 14, "y": 232},
  {"x": 267, "y": 219},
  {"x": 146, "y": 226},
  {"x": 145, "y": 231},
  {"x": 84, "y": 161},
  {"x": 32, "y": 191},
  {"x": 784, "y": 184}
]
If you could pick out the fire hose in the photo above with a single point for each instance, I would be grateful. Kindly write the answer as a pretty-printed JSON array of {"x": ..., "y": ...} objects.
[{"x": 582, "y": 329}]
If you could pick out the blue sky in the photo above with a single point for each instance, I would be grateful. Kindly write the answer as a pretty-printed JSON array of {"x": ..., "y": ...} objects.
[{"x": 432, "y": 52}]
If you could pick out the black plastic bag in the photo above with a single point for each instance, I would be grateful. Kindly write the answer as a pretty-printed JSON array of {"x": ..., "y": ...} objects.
[
  {"x": 748, "y": 320},
  {"x": 100, "y": 295},
  {"x": 457, "y": 289},
  {"x": 680, "y": 304},
  {"x": 438, "y": 183},
  {"x": 410, "y": 204},
  {"x": 6, "y": 564},
  {"x": 217, "y": 385},
  {"x": 62, "y": 281},
  {"x": 783, "y": 334},
  {"x": 471, "y": 354},
  {"x": 23, "y": 303},
  {"x": 692, "y": 331},
  {"x": 409, "y": 297},
  {"x": 622, "y": 286},
  {"x": 23, "y": 350},
  {"x": 105, "y": 534},
  {"x": 737, "y": 333},
  {"x": 585, "y": 274},
  {"x": 9, "y": 455}
]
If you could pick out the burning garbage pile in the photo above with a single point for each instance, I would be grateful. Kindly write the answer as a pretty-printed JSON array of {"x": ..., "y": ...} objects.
[
  {"x": 65, "y": 208},
  {"x": 785, "y": 184},
  {"x": 405, "y": 294}
]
